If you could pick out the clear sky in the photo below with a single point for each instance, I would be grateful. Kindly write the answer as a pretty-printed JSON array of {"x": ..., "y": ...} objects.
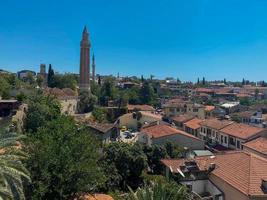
[{"x": 179, "y": 38}]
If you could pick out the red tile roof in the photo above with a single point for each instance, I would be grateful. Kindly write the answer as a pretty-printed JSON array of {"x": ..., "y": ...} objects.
[
  {"x": 95, "y": 197},
  {"x": 241, "y": 170},
  {"x": 209, "y": 108},
  {"x": 194, "y": 123},
  {"x": 182, "y": 118},
  {"x": 259, "y": 145},
  {"x": 162, "y": 130},
  {"x": 215, "y": 123},
  {"x": 242, "y": 131},
  {"x": 140, "y": 107}
]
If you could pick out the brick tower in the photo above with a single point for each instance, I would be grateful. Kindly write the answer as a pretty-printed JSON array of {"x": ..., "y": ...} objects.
[{"x": 84, "y": 83}]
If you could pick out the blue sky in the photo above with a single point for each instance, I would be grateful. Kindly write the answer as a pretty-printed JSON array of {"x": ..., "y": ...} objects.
[{"x": 179, "y": 38}]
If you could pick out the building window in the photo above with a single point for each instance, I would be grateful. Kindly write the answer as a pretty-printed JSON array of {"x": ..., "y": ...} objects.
[
  {"x": 225, "y": 140},
  {"x": 221, "y": 139},
  {"x": 238, "y": 144},
  {"x": 232, "y": 141}
]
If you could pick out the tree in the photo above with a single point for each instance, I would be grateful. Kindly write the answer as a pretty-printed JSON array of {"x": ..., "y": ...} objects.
[
  {"x": 50, "y": 76},
  {"x": 4, "y": 87},
  {"x": 107, "y": 92},
  {"x": 29, "y": 78},
  {"x": 173, "y": 150},
  {"x": 224, "y": 81},
  {"x": 257, "y": 91},
  {"x": 87, "y": 102},
  {"x": 99, "y": 80},
  {"x": 245, "y": 101},
  {"x": 203, "y": 81},
  {"x": 100, "y": 114},
  {"x": 147, "y": 95},
  {"x": 236, "y": 118},
  {"x": 12, "y": 171},
  {"x": 133, "y": 95},
  {"x": 243, "y": 82},
  {"x": 154, "y": 155},
  {"x": 41, "y": 109},
  {"x": 129, "y": 161},
  {"x": 40, "y": 80},
  {"x": 160, "y": 191},
  {"x": 198, "y": 82},
  {"x": 65, "y": 81},
  {"x": 142, "y": 78},
  {"x": 63, "y": 161}
]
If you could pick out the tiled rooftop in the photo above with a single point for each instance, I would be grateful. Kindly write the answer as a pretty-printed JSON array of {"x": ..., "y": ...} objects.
[
  {"x": 194, "y": 123},
  {"x": 241, "y": 170},
  {"x": 163, "y": 130},
  {"x": 215, "y": 123},
  {"x": 259, "y": 145},
  {"x": 140, "y": 107},
  {"x": 182, "y": 118},
  {"x": 242, "y": 131}
]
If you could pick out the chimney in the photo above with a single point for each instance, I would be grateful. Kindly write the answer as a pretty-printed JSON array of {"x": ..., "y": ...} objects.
[{"x": 211, "y": 167}]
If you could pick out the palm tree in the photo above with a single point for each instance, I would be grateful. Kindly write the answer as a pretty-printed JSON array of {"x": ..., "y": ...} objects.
[
  {"x": 157, "y": 191},
  {"x": 12, "y": 170}
]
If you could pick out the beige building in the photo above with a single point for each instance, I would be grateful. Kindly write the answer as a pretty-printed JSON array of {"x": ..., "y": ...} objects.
[
  {"x": 210, "y": 128},
  {"x": 236, "y": 175},
  {"x": 131, "y": 121},
  {"x": 67, "y": 98}
]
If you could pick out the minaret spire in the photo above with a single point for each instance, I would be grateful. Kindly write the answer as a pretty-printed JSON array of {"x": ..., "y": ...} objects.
[
  {"x": 93, "y": 68},
  {"x": 85, "y": 45}
]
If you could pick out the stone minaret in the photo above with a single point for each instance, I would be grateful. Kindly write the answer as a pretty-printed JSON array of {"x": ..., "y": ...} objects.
[
  {"x": 93, "y": 68},
  {"x": 85, "y": 61}
]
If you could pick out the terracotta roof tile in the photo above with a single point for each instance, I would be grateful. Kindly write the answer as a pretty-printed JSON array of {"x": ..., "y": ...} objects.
[
  {"x": 246, "y": 176},
  {"x": 242, "y": 131},
  {"x": 163, "y": 130},
  {"x": 140, "y": 107},
  {"x": 182, "y": 118},
  {"x": 95, "y": 197},
  {"x": 259, "y": 145},
  {"x": 194, "y": 123},
  {"x": 215, "y": 123}
]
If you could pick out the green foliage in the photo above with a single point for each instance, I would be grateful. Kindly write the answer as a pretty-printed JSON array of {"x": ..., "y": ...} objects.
[
  {"x": 154, "y": 155},
  {"x": 100, "y": 114},
  {"x": 157, "y": 152},
  {"x": 50, "y": 76},
  {"x": 21, "y": 97},
  {"x": 158, "y": 191},
  {"x": 65, "y": 81},
  {"x": 63, "y": 161},
  {"x": 236, "y": 118},
  {"x": 173, "y": 150},
  {"x": 87, "y": 102},
  {"x": 108, "y": 92},
  {"x": 5, "y": 87},
  {"x": 245, "y": 101},
  {"x": 127, "y": 161},
  {"x": 12, "y": 171},
  {"x": 41, "y": 109},
  {"x": 133, "y": 95},
  {"x": 30, "y": 79},
  {"x": 39, "y": 80},
  {"x": 147, "y": 95}
]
